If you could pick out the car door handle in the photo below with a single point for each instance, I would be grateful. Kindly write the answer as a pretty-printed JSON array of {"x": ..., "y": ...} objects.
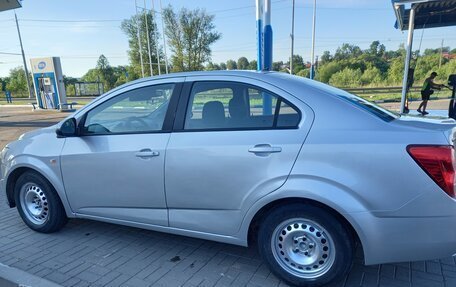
[
  {"x": 264, "y": 149},
  {"x": 145, "y": 153}
]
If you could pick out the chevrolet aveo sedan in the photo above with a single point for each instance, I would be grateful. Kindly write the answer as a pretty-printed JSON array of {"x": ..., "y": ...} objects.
[{"x": 304, "y": 171}]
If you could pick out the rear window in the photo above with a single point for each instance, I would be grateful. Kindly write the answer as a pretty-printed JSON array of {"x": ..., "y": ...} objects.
[{"x": 372, "y": 108}]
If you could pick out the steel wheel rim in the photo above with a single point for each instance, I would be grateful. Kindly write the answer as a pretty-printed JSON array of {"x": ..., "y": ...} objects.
[
  {"x": 303, "y": 248},
  {"x": 34, "y": 203}
]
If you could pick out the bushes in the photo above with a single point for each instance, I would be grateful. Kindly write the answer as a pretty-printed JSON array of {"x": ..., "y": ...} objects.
[{"x": 347, "y": 78}]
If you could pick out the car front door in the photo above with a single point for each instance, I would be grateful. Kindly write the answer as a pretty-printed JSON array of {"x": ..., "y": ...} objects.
[
  {"x": 236, "y": 143},
  {"x": 114, "y": 169}
]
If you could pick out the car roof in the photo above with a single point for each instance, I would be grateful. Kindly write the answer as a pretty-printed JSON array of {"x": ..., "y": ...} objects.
[{"x": 282, "y": 80}]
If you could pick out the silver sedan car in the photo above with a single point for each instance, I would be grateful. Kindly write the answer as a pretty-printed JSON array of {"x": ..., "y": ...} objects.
[{"x": 304, "y": 171}]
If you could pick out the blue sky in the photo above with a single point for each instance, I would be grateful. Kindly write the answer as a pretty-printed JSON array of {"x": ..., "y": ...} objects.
[{"x": 79, "y": 43}]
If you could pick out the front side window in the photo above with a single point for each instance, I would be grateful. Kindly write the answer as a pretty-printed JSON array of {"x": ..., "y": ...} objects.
[
  {"x": 231, "y": 105},
  {"x": 137, "y": 111}
]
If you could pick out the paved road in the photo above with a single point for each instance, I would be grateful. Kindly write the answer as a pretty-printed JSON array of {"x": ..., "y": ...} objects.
[{"x": 89, "y": 253}]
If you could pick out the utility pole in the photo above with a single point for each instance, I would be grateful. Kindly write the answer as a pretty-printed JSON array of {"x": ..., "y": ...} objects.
[
  {"x": 292, "y": 37},
  {"x": 164, "y": 37},
  {"x": 23, "y": 57},
  {"x": 139, "y": 39},
  {"x": 148, "y": 39},
  {"x": 441, "y": 54},
  {"x": 312, "y": 68},
  {"x": 156, "y": 38}
]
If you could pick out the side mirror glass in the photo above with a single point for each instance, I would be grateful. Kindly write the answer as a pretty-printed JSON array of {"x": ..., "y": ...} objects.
[{"x": 68, "y": 128}]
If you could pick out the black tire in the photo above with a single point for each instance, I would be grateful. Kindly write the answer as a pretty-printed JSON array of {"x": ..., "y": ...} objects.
[
  {"x": 293, "y": 242},
  {"x": 52, "y": 216}
]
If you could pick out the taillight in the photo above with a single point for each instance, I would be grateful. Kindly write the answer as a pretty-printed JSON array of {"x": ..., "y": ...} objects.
[{"x": 437, "y": 162}]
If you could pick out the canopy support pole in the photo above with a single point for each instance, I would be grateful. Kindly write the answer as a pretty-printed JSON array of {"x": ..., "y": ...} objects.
[{"x": 408, "y": 57}]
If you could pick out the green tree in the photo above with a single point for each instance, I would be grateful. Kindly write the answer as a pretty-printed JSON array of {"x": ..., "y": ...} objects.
[
  {"x": 130, "y": 28},
  {"x": 376, "y": 49},
  {"x": 347, "y": 78},
  {"x": 277, "y": 66},
  {"x": 253, "y": 65},
  {"x": 243, "y": 63},
  {"x": 298, "y": 64},
  {"x": 371, "y": 76},
  {"x": 347, "y": 51},
  {"x": 326, "y": 71},
  {"x": 428, "y": 52},
  {"x": 326, "y": 57},
  {"x": 395, "y": 72},
  {"x": 212, "y": 67},
  {"x": 304, "y": 73},
  {"x": 3, "y": 82},
  {"x": 190, "y": 36},
  {"x": 425, "y": 65},
  {"x": 231, "y": 65},
  {"x": 69, "y": 85},
  {"x": 122, "y": 74},
  {"x": 106, "y": 73},
  {"x": 17, "y": 83},
  {"x": 223, "y": 66}
]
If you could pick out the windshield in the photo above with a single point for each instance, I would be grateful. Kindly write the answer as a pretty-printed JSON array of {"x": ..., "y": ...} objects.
[{"x": 370, "y": 107}]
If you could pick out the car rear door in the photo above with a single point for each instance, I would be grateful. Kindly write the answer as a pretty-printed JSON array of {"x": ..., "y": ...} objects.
[{"x": 228, "y": 149}]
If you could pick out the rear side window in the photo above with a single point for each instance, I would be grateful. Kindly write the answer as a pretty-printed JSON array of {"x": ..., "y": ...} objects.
[
  {"x": 372, "y": 108},
  {"x": 232, "y": 105}
]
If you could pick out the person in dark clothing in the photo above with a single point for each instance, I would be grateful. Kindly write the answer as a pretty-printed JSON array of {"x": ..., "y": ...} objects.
[
  {"x": 8, "y": 97},
  {"x": 426, "y": 91}
]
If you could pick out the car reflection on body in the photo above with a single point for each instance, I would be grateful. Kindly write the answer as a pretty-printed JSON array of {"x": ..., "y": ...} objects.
[{"x": 303, "y": 170}]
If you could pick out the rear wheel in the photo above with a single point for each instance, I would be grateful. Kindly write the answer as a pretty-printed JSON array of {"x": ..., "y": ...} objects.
[
  {"x": 305, "y": 245},
  {"x": 38, "y": 203}
]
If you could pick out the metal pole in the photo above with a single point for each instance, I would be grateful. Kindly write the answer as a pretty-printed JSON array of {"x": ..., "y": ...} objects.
[
  {"x": 407, "y": 57},
  {"x": 164, "y": 37},
  {"x": 441, "y": 54},
  {"x": 267, "y": 34},
  {"x": 267, "y": 56},
  {"x": 23, "y": 57},
  {"x": 156, "y": 38},
  {"x": 292, "y": 38},
  {"x": 148, "y": 39},
  {"x": 139, "y": 39},
  {"x": 259, "y": 19},
  {"x": 312, "y": 56}
]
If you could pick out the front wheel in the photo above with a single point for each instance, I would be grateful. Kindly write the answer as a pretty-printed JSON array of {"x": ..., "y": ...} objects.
[
  {"x": 38, "y": 203},
  {"x": 305, "y": 245}
]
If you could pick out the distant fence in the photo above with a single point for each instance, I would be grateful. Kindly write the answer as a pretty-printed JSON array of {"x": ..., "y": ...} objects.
[
  {"x": 379, "y": 90},
  {"x": 88, "y": 89}
]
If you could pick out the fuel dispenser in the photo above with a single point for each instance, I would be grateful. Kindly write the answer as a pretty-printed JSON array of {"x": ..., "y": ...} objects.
[{"x": 48, "y": 83}]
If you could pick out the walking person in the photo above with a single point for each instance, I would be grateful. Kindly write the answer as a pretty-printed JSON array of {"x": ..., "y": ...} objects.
[
  {"x": 426, "y": 91},
  {"x": 8, "y": 97}
]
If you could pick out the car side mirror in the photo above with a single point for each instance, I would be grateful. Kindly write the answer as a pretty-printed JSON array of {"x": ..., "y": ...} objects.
[{"x": 67, "y": 129}]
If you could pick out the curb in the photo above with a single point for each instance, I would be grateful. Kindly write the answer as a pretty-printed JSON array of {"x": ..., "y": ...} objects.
[
  {"x": 13, "y": 277},
  {"x": 16, "y": 106}
]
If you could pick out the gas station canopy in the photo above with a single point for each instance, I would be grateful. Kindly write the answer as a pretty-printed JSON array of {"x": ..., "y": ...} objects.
[
  {"x": 9, "y": 4},
  {"x": 428, "y": 13},
  {"x": 420, "y": 14}
]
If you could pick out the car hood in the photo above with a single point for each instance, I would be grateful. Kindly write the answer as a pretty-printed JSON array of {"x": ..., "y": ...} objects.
[{"x": 31, "y": 134}]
